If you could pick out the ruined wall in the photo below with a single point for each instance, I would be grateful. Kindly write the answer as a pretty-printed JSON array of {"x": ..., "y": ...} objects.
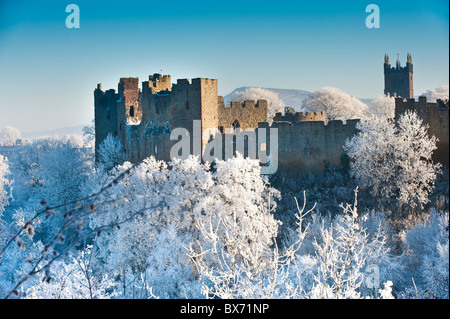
[
  {"x": 436, "y": 116},
  {"x": 305, "y": 142},
  {"x": 247, "y": 113},
  {"x": 105, "y": 115},
  {"x": 209, "y": 107},
  {"x": 164, "y": 109},
  {"x": 158, "y": 82},
  {"x": 300, "y": 117},
  {"x": 307, "y": 146}
]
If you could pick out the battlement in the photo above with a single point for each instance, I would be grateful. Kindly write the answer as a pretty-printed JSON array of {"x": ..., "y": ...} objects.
[
  {"x": 247, "y": 104},
  {"x": 157, "y": 82},
  {"x": 128, "y": 84},
  {"x": 300, "y": 117},
  {"x": 393, "y": 69},
  {"x": 334, "y": 124}
]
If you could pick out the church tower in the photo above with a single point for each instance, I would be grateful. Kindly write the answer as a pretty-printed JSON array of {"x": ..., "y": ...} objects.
[{"x": 398, "y": 80}]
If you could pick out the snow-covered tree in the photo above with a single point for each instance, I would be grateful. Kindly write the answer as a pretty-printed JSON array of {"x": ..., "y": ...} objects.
[
  {"x": 383, "y": 106},
  {"x": 50, "y": 169},
  {"x": 441, "y": 93},
  {"x": 164, "y": 207},
  {"x": 232, "y": 268},
  {"x": 158, "y": 204},
  {"x": 73, "y": 140},
  {"x": 9, "y": 135},
  {"x": 73, "y": 278},
  {"x": 5, "y": 184},
  {"x": 342, "y": 254},
  {"x": 89, "y": 134},
  {"x": 110, "y": 152},
  {"x": 425, "y": 258},
  {"x": 5, "y": 195},
  {"x": 274, "y": 103},
  {"x": 394, "y": 159},
  {"x": 336, "y": 104}
]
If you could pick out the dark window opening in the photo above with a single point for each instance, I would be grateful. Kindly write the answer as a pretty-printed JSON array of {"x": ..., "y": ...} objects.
[
  {"x": 187, "y": 105},
  {"x": 131, "y": 111},
  {"x": 236, "y": 125}
]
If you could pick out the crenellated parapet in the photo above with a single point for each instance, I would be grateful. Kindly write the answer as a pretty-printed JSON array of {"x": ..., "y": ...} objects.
[{"x": 300, "y": 117}]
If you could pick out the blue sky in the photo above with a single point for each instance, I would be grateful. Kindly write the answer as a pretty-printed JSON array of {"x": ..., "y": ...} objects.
[{"x": 48, "y": 72}]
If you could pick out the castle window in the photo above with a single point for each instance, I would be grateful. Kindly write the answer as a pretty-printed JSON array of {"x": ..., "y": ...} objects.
[
  {"x": 236, "y": 125},
  {"x": 131, "y": 111},
  {"x": 108, "y": 113},
  {"x": 221, "y": 129},
  {"x": 156, "y": 149},
  {"x": 187, "y": 105}
]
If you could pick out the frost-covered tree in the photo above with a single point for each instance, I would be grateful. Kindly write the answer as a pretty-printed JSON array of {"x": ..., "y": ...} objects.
[
  {"x": 274, "y": 103},
  {"x": 166, "y": 203},
  {"x": 110, "y": 152},
  {"x": 425, "y": 259},
  {"x": 89, "y": 134},
  {"x": 342, "y": 255},
  {"x": 73, "y": 278},
  {"x": 5, "y": 184},
  {"x": 383, "y": 106},
  {"x": 9, "y": 135},
  {"x": 158, "y": 203},
  {"x": 441, "y": 93},
  {"x": 394, "y": 160},
  {"x": 237, "y": 258},
  {"x": 73, "y": 140},
  {"x": 50, "y": 169},
  {"x": 336, "y": 104},
  {"x": 5, "y": 195}
]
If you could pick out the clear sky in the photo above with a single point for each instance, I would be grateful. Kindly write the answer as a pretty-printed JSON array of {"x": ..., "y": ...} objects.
[{"x": 48, "y": 72}]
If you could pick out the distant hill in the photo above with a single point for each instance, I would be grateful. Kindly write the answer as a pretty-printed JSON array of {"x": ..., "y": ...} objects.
[
  {"x": 73, "y": 130},
  {"x": 291, "y": 97}
]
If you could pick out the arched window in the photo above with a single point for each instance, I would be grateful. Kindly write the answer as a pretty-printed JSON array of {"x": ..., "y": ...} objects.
[
  {"x": 236, "y": 125},
  {"x": 131, "y": 111}
]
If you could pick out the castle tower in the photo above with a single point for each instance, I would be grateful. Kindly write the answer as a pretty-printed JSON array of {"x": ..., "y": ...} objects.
[
  {"x": 398, "y": 80},
  {"x": 106, "y": 117}
]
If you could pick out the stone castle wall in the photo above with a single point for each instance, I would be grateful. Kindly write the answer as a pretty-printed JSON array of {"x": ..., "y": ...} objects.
[
  {"x": 143, "y": 121},
  {"x": 247, "y": 113},
  {"x": 300, "y": 117},
  {"x": 436, "y": 116}
]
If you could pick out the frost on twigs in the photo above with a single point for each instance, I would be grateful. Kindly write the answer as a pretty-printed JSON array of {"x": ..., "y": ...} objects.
[{"x": 70, "y": 233}]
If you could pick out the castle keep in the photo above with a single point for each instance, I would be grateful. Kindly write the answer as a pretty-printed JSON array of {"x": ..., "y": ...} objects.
[{"x": 144, "y": 118}]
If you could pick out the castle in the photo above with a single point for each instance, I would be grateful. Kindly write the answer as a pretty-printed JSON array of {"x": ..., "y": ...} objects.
[{"x": 143, "y": 120}]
